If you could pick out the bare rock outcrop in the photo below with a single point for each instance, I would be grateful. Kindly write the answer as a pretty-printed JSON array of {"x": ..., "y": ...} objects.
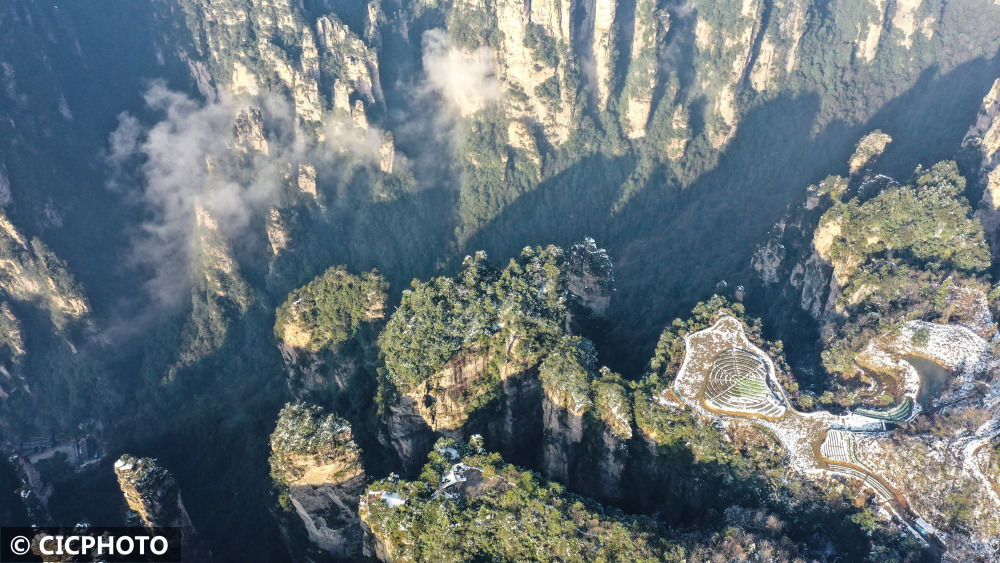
[
  {"x": 29, "y": 271},
  {"x": 449, "y": 404},
  {"x": 983, "y": 137},
  {"x": 590, "y": 277}
]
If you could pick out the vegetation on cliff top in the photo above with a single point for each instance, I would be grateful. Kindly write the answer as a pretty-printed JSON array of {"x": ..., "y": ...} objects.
[
  {"x": 498, "y": 512},
  {"x": 927, "y": 223},
  {"x": 566, "y": 373},
  {"x": 308, "y": 431},
  {"x": 482, "y": 307},
  {"x": 900, "y": 252},
  {"x": 470, "y": 505},
  {"x": 330, "y": 309}
]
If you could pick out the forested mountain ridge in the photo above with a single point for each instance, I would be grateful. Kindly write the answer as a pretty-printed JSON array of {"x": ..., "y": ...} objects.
[{"x": 164, "y": 195}]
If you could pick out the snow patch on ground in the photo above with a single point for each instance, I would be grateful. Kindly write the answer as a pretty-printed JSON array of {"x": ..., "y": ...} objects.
[
  {"x": 803, "y": 434},
  {"x": 392, "y": 500}
]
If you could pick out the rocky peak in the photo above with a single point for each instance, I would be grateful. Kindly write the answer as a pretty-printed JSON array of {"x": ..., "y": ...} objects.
[
  {"x": 488, "y": 344},
  {"x": 331, "y": 309},
  {"x": 867, "y": 151},
  {"x": 152, "y": 493},
  {"x": 318, "y": 319},
  {"x": 356, "y": 63},
  {"x": 248, "y": 132},
  {"x": 317, "y": 467},
  {"x": 590, "y": 277},
  {"x": 277, "y": 234}
]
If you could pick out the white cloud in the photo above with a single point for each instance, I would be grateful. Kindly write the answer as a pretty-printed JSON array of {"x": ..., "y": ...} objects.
[
  {"x": 464, "y": 79},
  {"x": 192, "y": 160},
  {"x": 187, "y": 162}
]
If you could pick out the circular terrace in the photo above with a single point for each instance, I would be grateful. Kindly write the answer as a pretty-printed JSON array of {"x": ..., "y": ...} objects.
[{"x": 737, "y": 382}]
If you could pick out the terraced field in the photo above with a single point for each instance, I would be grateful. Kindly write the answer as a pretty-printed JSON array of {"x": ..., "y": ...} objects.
[
  {"x": 838, "y": 449},
  {"x": 737, "y": 382},
  {"x": 898, "y": 413},
  {"x": 725, "y": 376}
]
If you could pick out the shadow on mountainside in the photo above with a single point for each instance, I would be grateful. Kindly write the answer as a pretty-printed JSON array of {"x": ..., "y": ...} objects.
[{"x": 671, "y": 246}]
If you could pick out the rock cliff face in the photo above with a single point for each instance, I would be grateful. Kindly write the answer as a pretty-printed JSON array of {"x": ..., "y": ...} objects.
[
  {"x": 587, "y": 421},
  {"x": 406, "y": 431},
  {"x": 153, "y": 494},
  {"x": 603, "y": 14},
  {"x": 797, "y": 254},
  {"x": 358, "y": 64},
  {"x": 613, "y": 423},
  {"x": 536, "y": 59},
  {"x": 542, "y": 52},
  {"x": 738, "y": 52},
  {"x": 310, "y": 372},
  {"x": 29, "y": 271},
  {"x": 590, "y": 279},
  {"x": 566, "y": 386},
  {"x": 450, "y": 393},
  {"x": 270, "y": 46},
  {"x": 317, "y": 466},
  {"x": 983, "y": 137},
  {"x": 650, "y": 28},
  {"x": 787, "y": 259},
  {"x": 451, "y": 403},
  {"x": 687, "y": 72}
]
